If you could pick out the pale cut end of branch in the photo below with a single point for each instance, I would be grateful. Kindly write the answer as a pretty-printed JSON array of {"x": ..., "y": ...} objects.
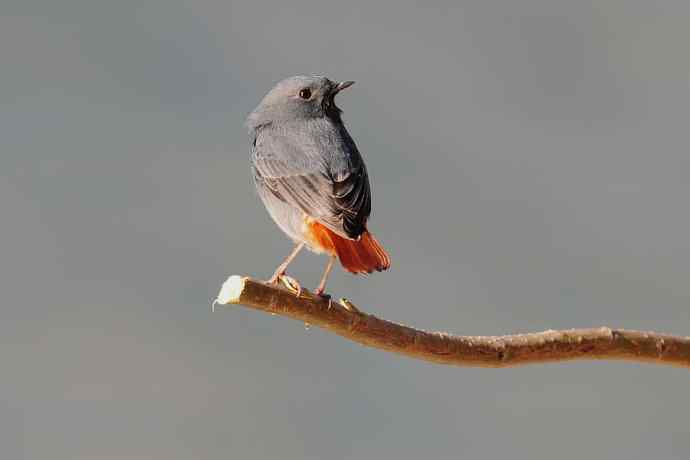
[
  {"x": 231, "y": 291},
  {"x": 346, "y": 320}
]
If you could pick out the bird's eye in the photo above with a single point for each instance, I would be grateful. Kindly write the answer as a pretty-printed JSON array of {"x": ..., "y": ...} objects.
[{"x": 305, "y": 93}]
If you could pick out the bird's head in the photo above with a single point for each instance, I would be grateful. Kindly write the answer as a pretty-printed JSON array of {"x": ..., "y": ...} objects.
[{"x": 297, "y": 98}]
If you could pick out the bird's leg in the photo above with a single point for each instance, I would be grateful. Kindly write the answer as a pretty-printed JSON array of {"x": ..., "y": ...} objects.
[
  {"x": 279, "y": 274},
  {"x": 282, "y": 268},
  {"x": 322, "y": 285}
]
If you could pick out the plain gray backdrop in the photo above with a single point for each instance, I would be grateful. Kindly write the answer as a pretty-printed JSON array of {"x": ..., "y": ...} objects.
[{"x": 529, "y": 166}]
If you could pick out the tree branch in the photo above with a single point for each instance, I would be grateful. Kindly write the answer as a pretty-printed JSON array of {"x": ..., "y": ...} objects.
[{"x": 344, "y": 319}]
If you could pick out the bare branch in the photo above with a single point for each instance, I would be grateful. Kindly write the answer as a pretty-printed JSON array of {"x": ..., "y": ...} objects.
[{"x": 346, "y": 320}]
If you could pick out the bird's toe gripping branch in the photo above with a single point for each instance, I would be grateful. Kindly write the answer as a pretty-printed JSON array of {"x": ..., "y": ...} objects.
[{"x": 291, "y": 284}]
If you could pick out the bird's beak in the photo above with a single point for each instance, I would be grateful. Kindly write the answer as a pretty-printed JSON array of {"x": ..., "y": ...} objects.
[{"x": 343, "y": 85}]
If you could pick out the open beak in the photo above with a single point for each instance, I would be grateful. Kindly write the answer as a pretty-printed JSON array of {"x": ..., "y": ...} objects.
[{"x": 343, "y": 85}]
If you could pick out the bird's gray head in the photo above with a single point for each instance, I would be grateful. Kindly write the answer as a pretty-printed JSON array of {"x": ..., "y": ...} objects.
[{"x": 298, "y": 98}]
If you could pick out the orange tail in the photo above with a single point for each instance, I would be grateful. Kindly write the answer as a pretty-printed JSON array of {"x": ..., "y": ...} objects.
[{"x": 362, "y": 256}]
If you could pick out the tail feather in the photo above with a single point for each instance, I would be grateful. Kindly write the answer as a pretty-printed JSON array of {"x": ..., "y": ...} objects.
[
  {"x": 382, "y": 258},
  {"x": 356, "y": 256},
  {"x": 349, "y": 258},
  {"x": 362, "y": 256}
]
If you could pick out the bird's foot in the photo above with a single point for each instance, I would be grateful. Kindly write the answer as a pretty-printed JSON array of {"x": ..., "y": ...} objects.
[
  {"x": 275, "y": 279},
  {"x": 319, "y": 292},
  {"x": 289, "y": 282}
]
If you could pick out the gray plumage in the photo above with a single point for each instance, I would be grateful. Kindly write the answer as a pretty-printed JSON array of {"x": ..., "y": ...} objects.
[{"x": 305, "y": 162}]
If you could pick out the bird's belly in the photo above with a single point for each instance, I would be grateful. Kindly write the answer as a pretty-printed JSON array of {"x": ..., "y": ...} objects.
[{"x": 296, "y": 225}]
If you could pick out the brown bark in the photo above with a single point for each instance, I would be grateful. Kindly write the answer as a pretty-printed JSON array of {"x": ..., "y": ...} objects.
[{"x": 343, "y": 318}]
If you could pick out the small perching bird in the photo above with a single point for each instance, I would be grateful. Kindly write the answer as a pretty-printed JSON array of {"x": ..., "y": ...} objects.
[{"x": 311, "y": 177}]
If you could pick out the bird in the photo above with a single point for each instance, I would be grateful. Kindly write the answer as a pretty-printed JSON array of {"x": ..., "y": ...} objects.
[{"x": 311, "y": 177}]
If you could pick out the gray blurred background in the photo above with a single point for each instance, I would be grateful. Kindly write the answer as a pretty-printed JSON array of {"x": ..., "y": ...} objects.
[{"x": 529, "y": 163}]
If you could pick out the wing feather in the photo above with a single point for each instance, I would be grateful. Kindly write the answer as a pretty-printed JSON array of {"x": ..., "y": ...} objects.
[{"x": 316, "y": 169}]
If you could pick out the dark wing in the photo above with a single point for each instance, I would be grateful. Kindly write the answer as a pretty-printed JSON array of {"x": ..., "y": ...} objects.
[{"x": 316, "y": 169}]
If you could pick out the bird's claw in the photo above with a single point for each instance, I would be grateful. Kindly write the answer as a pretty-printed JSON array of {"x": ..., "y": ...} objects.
[{"x": 291, "y": 284}]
